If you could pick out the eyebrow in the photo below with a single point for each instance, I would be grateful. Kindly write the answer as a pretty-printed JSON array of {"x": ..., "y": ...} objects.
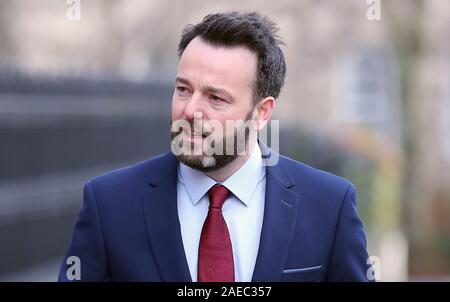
[
  {"x": 182, "y": 80},
  {"x": 212, "y": 89}
]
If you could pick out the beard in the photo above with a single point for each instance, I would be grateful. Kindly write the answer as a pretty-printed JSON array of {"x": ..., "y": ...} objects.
[{"x": 236, "y": 142}]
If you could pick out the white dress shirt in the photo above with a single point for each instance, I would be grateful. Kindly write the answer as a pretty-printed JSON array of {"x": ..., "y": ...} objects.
[{"x": 243, "y": 212}]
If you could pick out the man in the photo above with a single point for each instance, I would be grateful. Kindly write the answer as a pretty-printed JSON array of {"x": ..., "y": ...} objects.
[{"x": 212, "y": 209}]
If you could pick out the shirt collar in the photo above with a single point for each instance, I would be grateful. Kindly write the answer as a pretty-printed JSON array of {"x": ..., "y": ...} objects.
[
  {"x": 242, "y": 183},
  {"x": 196, "y": 182}
]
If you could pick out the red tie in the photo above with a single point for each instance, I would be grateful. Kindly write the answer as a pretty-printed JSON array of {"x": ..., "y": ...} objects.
[{"x": 215, "y": 255}]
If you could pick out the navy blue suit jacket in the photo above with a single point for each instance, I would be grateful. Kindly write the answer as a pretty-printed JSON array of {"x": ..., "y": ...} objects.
[{"x": 128, "y": 227}]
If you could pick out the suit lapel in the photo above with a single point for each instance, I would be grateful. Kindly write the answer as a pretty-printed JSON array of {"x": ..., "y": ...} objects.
[
  {"x": 161, "y": 218},
  {"x": 163, "y": 227},
  {"x": 280, "y": 215}
]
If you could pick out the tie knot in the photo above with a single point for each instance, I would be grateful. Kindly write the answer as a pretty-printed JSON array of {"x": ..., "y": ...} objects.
[{"x": 217, "y": 195}]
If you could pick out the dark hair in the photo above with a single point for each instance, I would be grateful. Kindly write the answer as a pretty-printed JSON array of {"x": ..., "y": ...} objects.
[{"x": 250, "y": 30}]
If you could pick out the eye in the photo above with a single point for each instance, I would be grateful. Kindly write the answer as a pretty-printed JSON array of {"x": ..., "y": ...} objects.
[
  {"x": 216, "y": 99},
  {"x": 182, "y": 91}
]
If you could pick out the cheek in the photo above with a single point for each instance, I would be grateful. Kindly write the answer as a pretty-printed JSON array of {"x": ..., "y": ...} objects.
[{"x": 177, "y": 110}]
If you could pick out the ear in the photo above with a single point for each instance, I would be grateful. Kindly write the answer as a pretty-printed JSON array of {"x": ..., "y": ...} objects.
[{"x": 262, "y": 112}]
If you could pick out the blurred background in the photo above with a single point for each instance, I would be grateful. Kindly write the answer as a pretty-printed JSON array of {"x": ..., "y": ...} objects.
[{"x": 85, "y": 87}]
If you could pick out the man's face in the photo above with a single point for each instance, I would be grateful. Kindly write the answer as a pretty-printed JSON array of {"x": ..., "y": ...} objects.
[{"x": 214, "y": 84}]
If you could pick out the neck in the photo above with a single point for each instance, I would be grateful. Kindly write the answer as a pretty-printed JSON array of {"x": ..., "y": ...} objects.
[{"x": 223, "y": 173}]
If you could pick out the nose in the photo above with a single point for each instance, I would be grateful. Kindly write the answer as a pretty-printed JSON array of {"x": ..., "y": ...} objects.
[{"x": 192, "y": 106}]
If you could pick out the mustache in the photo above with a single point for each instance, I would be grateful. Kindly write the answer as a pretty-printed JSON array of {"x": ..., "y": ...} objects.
[{"x": 192, "y": 127}]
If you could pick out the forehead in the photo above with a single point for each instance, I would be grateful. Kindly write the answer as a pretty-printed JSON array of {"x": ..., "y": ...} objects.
[{"x": 231, "y": 66}]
